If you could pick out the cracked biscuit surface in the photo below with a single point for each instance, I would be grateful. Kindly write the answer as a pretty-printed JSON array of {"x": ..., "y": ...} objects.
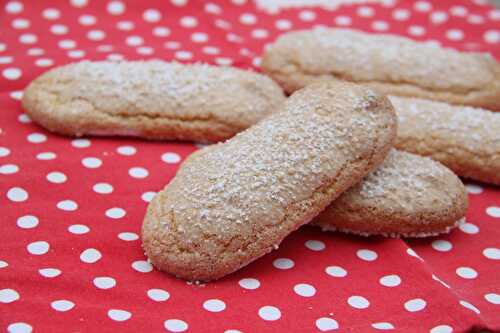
[
  {"x": 406, "y": 196},
  {"x": 465, "y": 139},
  {"x": 390, "y": 64},
  {"x": 239, "y": 200},
  {"x": 150, "y": 99}
]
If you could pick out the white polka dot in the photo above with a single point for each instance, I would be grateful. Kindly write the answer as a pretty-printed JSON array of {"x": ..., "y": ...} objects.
[
  {"x": 358, "y": 302},
  {"x": 145, "y": 50},
  {"x": 12, "y": 73},
  {"x": 474, "y": 189},
  {"x": 158, "y": 295},
  {"x": 59, "y": 29},
  {"x": 27, "y": 221},
  {"x": 492, "y": 36},
  {"x": 62, "y": 305},
  {"x": 390, "y": 280},
  {"x": 148, "y": 196},
  {"x": 171, "y": 158},
  {"x": 67, "y": 205},
  {"x": 44, "y": 62},
  {"x": 199, "y": 37},
  {"x": 183, "y": 55},
  {"x": 326, "y": 324},
  {"x": 494, "y": 14},
  {"x": 439, "y": 17},
  {"x": 6, "y": 60},
  {"x": 8, "y": 169},
  {"x": 459, "y": 11},
  {"x": 51, "y": 13},
  {"x": 19, "y": 328},
  {"x": 383, "y": 326},
  {"x": 232, "y": 331},
  {"x": 161, "y": 31},
  {"x": 56, "y": 177},
  {"x": 35, "y": 51},
  {"x": 212, "y": 8},
  {"x": 259, "y": 33},
  {"x": 343, "y": 20},
  {"x": 466, "y": 272},
  {"x": 3, "y": 264},
  {"x": 138, "y": 172},
  {"x": 102, "y": 188},
  {"x": 91, "y": 162},
  {"x": 78, "y": 229},
  {"x": 214, "y": 305},
  {"x": 475, "y": 19},
  {"x": 469, "y": 228},
  {"x": 17, "y": 194},
  {"x": 415, "y": 305},
  {"x": 315, "y": 245},
  {"x": 104, "y": 48},
  {"x": 126, "y": 150},
  {"x": 422, "y": 6},
  {"x": 134, "y": 41},
  {"x": 441, "y": 329},
  {"x": 380, "y": 25},
  {"x": 46, "y": 156},
  {"x": 104, "y": 282},
  {"x": 307, "y": 15},
  {"x": 441, "y": 245},
  {"x": 367, "y": 255},
  {"x": 8, "y": 295},
  {"x": 336, "y": 271},
  {"x": 493, "y": 211},
  {"x": 4, "y": 151},
  {"x": 210, "y": 50},
  {"x": 78, "y": 3},
  {"x": 76, "y": 54},
  {"x": 36, "y": 138},
  {"x": 87, "y": 20},
  {"x": 142, "y": 266},
  {"x": 115, "y": 213},
  {"x": 492, "y": 298},
  {"x": 269, "y": 313},
  {"x": 80, "y": 143},
  {"x": 96, "y": 35},
  {"x": 188, "y": 22},
  {"x": 116, "y": 7},
  {"x": 283, "y": 263},
  {"x": 128, "y": 236},
  {"x": 119, "y": 315},
  {"x": 175, "y": 325},
  {"x": 14, "y": 7},
  {"x": 49, "y": 272},
  {"x": 20, "y": 23},
  {"x": 416, "y": 30},
  {"x": 249, "y": 283},
  {"x": 455, "y": 34},
  {"x": 365, "y": 11},
  {"x": 126, "y": 26},
  {"x": 17, "y": 95},
  {"x": 3, "y": 47},
  {"x": 469, "y": 306},
  {"x": 283, "y": 24},
  {"x": 223, "y": 61},
  {"x": 90, "y": 256},
  {"x": 492, "y": 253},
  {"x": 304, "y": 290},
  {"x": 151, "y": 15},
  {"x": 38, "y": 248}
]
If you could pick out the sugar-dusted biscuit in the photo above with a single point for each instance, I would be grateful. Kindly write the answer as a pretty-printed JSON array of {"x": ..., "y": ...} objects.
[
  {"x": 392, "y": 65},
  {"x": 150, "y": 99},
  {"x": 407, "y": 196},
  {"x": 239, "y": 200},
  {"x": 465, "y": 139}
]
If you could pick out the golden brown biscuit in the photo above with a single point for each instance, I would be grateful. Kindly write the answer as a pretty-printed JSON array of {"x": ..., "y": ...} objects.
[
  {"x": 465, "y": 139},
  {"x": 150, "y": 99},
  {"x": 407, "y": 196},
  {"x": 392, "y": 65},
  {"x": 240, "y": 199}
]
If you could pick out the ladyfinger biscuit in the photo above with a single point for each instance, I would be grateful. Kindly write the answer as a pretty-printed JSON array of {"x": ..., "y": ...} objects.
[
  {"x": 465, "y": 139},
  {"x": 239, "y": 200},
  {"x": 150, "y": 99},
  {"x": 390, "y": 64},
  {"x": 407, "y": 196}
]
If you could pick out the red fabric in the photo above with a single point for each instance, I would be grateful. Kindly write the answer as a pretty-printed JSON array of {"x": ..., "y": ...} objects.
[{"x": 354, "y": 298}]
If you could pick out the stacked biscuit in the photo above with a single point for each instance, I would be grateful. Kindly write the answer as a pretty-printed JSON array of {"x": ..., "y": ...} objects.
[{"x": 326, "y": 155}]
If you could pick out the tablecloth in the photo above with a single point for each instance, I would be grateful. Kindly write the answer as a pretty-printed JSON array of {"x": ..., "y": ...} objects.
[{"x": 71, "y": 209}]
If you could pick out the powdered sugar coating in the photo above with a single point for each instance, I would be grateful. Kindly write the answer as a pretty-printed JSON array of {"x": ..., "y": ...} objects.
[
  {"x": 465, "y": 139},
  {"x": 238, "y": 200}
]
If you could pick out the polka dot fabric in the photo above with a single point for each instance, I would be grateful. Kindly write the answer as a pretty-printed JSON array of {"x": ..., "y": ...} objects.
[{"x": 70, "y": 255}]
